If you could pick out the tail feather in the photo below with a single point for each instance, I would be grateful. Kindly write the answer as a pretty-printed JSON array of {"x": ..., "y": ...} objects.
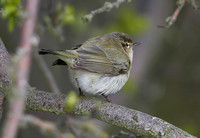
[
  {"x": 65, "y": 57},
  {"x": 45, "y": 51},
  {"x": 59, "y": 62}
]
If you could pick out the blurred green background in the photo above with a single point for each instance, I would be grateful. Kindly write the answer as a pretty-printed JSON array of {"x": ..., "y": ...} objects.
[{"x": 165, "y": 77}]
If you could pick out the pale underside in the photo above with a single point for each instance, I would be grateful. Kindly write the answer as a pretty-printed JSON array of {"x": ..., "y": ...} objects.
[{"x": 93, "y": 83}]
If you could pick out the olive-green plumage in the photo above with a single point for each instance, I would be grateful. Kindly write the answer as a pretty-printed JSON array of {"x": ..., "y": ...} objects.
[{"x": 107, "y": 55}]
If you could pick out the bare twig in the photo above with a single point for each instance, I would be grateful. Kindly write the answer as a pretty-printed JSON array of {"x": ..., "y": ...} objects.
[
  {"x": 194, "y": 4},
  {"x": 44, "y": 126},
  {"x": 47, "y": 73},
  {"x": 170, "y": 21},
  {"x": 70, "y": 123},
  {"x": 107, "y": 7},
  {"x": 16, "y": 99},
  {"x": 180, "y": 4}
]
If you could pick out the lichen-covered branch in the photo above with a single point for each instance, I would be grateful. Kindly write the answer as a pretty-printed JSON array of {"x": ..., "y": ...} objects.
[
  {"x": 134, "y": 121},
  {"x": 4, "y": 77},
  {"x": 107, "y": 7}
]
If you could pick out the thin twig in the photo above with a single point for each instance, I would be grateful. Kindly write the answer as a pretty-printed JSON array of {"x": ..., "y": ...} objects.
[
  {"x": 44, "y": 126},
  {"x": 107, "y": 7},
  {"x": 47, "y": 73},
  {"x": 171, "y": 20},
  {"x": 16, "y": 99},
  {"x": 180, "y": 4},
  {"x": 194, "y": 4},
  {"x": 70, "y": 123}
]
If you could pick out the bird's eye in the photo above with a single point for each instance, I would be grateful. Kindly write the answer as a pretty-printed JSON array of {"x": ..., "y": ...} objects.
[{"x": 127, "y": 44}]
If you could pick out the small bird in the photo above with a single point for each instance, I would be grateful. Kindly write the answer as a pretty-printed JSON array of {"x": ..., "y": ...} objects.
[{"x": 99, "y": 66}]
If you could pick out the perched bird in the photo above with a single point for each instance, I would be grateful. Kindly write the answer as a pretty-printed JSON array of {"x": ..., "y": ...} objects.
[{"x": 101, "y": 65}]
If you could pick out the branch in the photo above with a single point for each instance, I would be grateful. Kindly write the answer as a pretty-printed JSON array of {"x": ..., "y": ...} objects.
[
  {"x": 170, "y": 20},
  {"x": 180, "y": 4},
  {"x": 4, "y": 78},
  {"x": 20, "y": 72},
  {"x": 132, "y": 120},
  {"x": 107, "y": 7},
  {"x": 194, "y": 4}
]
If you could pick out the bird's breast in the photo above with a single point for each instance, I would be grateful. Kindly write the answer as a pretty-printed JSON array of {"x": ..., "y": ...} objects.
[{"x": 93, "y": 83}]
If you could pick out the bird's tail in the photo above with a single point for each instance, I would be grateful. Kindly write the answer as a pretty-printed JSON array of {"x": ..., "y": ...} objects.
[
  {"x": 65, "y": 55},
  {"x": 46, "y": 51},
  {"x": 60, "y": 53}
]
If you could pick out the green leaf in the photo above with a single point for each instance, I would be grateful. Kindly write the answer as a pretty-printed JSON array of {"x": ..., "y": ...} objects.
[
  {"x": 11, "y": 24},
  {"x": 68, "y": 15},
  {"x": 9, "y": 10},
  {"x": 71, "y": 101}
]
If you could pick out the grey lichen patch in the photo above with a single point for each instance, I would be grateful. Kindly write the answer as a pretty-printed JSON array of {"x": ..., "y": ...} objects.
[
  {"x": 40, "y": 101},
  {"x": 152, "y": 134},
  {"x": 88, "y": 106},
  {"x": 135, "y": 118}
]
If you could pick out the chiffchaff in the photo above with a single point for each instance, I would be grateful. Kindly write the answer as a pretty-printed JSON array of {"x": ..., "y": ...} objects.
[{"x": 101, "y": 65}]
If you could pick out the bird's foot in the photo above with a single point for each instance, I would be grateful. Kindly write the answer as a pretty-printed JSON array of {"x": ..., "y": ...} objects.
[
  {"x": 81, "y": 93},
  {"x": 106, "y": 97}
]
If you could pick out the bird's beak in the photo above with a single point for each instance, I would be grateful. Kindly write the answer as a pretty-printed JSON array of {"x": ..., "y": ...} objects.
[{"x": 135, "y": 44}]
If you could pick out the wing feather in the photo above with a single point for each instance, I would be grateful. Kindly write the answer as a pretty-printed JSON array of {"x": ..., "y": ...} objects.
[{"x": 105, "y": 61}]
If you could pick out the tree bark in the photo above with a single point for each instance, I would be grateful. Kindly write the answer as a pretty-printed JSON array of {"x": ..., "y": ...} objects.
[{"x": 4, "y": 78}]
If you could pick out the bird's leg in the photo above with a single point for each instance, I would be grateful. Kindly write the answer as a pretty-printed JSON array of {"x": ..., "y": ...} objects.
[
  {"x": 106, "y": 97},
  {"x": 80, "y": 92}
]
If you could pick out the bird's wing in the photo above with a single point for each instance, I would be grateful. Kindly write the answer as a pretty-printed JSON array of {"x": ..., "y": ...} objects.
[{"x": 104, "y": 61}]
